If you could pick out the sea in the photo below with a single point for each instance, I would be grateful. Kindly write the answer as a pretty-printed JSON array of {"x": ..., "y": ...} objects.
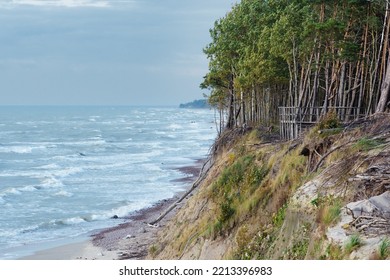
[{"x": 66, "y": 171}]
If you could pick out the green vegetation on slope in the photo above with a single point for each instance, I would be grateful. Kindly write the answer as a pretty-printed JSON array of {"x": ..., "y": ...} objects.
[{"x": 265, "y": 201}]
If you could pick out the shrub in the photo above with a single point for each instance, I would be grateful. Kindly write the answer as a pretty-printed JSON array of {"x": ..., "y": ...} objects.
[
  {"x": 227, "y": 210},
  {"x": 329, "y": 121}
]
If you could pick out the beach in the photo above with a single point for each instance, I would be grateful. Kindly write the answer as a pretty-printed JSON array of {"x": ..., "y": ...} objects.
[{"x": 131, "y": 239}]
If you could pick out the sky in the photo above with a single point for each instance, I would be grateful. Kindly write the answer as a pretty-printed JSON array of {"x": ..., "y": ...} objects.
[{"x": 105, "y": 52}]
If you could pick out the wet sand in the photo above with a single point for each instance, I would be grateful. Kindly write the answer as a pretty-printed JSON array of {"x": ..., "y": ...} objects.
[{"x": 130, "y": 239}]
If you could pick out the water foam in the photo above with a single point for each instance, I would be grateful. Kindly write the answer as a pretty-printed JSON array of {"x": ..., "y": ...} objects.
[
  {"x": 51, "y": 182},
  {"x": 63, "y": 193},
  {"x": 16, "y": 149}
]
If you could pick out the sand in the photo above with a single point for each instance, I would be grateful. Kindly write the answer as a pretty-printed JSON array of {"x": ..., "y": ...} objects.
[{"x": 131, "y": 239}]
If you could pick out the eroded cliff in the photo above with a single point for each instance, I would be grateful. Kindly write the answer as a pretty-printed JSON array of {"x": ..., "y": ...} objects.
[{"x": 325, "y": 195}]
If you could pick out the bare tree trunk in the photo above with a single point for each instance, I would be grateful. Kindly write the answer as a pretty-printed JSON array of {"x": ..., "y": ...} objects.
[
  {"x": 385, "y": 90},
  {"x": 381, "y": 107}
]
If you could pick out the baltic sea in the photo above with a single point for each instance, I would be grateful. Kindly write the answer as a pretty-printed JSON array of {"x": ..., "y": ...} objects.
[{"x": 66, "y": 171}]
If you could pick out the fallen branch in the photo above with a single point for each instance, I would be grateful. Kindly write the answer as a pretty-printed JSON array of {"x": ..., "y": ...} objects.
[
  {"x": 200, "y": 178},
  {"x": 328, "y": 153}
]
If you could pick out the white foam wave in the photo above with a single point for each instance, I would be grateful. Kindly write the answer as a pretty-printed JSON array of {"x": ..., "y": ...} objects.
[
  {"x": 20, "y": 149},
  {"x": 68, "y": 171},
  {"x": 51, "y": 182},
  {"x": 16, "y": 149},
  {"x": 175, "y": 127},
  {"x": 121, "y": 211},
  {"x": 28, "y": 189},
  {"x": 50, "y": 166},
  {"x": 15, "y": 191},
  {"x": 11, "y": 191},
  {"x": 64, "y": 194},
  {"x": 94, "y": 142},
  {"x": 73, "y": 221}
]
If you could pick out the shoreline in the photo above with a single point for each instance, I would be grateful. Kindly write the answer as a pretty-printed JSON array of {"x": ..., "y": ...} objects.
[{"x": 130, "y": 239}]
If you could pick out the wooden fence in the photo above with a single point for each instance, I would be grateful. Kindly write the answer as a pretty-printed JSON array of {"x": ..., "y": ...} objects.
[{"x": 294, "y": 119}]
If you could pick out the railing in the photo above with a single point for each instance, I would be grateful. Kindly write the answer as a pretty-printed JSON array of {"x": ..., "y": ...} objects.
[{"x": 294, "y": 119}]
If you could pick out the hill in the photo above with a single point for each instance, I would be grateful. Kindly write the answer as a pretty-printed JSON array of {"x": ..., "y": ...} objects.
[{"x": 323, "y": 196}]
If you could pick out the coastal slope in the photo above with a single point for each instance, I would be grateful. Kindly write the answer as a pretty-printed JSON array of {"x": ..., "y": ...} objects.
[{"x": 325, "y": 195}]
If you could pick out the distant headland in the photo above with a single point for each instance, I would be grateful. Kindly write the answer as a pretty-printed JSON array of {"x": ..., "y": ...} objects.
[{"x": 196, "y": 104}]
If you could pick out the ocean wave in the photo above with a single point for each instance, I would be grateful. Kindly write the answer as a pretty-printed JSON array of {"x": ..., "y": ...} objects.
[
  {"x": 68, "y": 171},
  {"x": 16, "y": 149},
  {"x": 70, "y": 221},
  {"x": 15, "y": 191},
  {"x": 63, "y": 193},
  {"x": 89, "y": 142},
  {"x": 20, "y": 149},
  {"x": 63, "y": 183},
  {"x": 49, "y": 166},
  {"x": 46, "y": 174},
  {"x": 51, "y": 182},
  {"x": 120, "y": 212},
  {"x": 175, "y": 127}
]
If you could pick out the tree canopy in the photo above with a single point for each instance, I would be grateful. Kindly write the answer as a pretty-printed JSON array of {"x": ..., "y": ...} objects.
[{"x": 301, "y": 53}]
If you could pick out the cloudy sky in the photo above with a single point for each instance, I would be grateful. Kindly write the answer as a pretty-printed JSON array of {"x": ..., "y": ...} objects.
[{"x": 96, "y": 52}]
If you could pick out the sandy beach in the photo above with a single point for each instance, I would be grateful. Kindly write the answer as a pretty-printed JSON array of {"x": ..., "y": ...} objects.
[{"x": 131, "y": 239}]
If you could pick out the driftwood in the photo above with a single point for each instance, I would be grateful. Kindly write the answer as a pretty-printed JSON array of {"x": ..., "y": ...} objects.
[
  {"x": 371, "y": 224},
  {"x": 209, "y": 163}
]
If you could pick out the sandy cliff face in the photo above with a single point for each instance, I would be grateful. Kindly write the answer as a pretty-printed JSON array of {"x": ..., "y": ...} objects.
[{"x": 323, "y": 196}]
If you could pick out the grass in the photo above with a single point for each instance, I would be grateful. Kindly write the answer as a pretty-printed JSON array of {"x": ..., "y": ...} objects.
[
  {"x": 235, "y": 184},
  {"x": 384, "y": 249},
  {"x": 153, "y": 251},
  {"x": 292, "y": 170},
  {"x": 333, "y": 252},
  {"x": 365, "y": 144},
  {"x": 353, "y": 243},
  {"x": 331, "y": 213},
  {"x": 299, "y": 250},
  {"x": 278, "y": 218}
]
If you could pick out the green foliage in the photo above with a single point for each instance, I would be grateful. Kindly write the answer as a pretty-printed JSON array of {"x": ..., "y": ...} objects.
[
  {"x": 278, "y": 218},
  {"x": 296, "y": 50},
  {"x": 298, "y": 250},
  {"x": 353, "y": 243},
  {"x": 153, "y": 250},
  {"x": 232, "y": 176},
  {"x": 256, "y": 175},
  {"x": 384, "y": 249},
  {"x": 227, "y": 210},
  {"x": 315, "y": 202},
  {"x": 329, "y": 121},
  {"x": 235, "y": 184},
  {"x": 332, "y": 212},
  {"x": 333, "y": 252},
  {"x": 366, "y": 144}
]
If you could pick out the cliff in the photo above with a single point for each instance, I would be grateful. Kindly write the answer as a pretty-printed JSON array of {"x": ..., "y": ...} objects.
[{"x": 325, "y": 195}]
